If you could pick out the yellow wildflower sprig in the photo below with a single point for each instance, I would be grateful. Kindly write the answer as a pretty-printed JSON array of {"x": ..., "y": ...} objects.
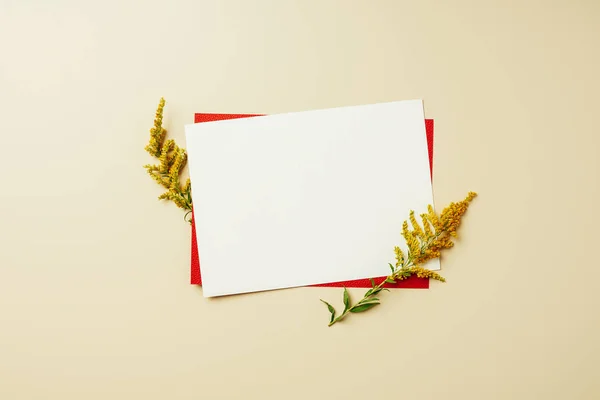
[
  {"x": 172, "y": 160},
  {"x": 424, "y": 243}
]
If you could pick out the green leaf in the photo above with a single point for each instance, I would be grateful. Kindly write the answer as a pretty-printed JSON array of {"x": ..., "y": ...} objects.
[
  {"x": 376, "y": 291},
  {"x": 329, "y": 306},
  {"x": 363, "y": 307},
  {"x": 346, "y": 300},
  {"x": 331, "y": 310},
  {"x": 392, "y": 267},
  {"x": 368, "y": 293},
  {"x": 390, "y": 280},
  {"x": 372, "y": 283}
]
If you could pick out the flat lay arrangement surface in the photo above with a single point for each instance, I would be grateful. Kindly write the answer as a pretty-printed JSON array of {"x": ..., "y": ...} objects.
[
  {"x": 423, "y": 243},
  {"x": 252, "y": 279}
]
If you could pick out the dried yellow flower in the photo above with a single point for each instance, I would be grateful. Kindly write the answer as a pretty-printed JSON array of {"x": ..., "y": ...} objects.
[
  {"x": 157, "y": 133},
  {"x": 411, "y": 241},
  {"x": 452, "y": 214},
  {"x": 424, "y": 244},
  {"x": 433, "y": 218},
  {"x": 426, "y": 226},
  {"x": 171, "y": 161},
  {"x": 399, "y": 256},
  {"x": 417, "y": 232},
  {"x": 425, "y": 273}
]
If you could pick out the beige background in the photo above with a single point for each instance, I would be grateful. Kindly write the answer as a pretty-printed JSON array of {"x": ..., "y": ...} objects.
[{"x": 94, "y": 294}]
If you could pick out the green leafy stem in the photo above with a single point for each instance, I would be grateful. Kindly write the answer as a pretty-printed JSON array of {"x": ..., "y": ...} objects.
[
  {"x": 368, "y": 301},
  {"x": 424, "y": 243}
]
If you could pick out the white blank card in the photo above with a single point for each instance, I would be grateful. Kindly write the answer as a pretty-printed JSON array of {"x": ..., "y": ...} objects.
[{"x": 308, "y": 197}]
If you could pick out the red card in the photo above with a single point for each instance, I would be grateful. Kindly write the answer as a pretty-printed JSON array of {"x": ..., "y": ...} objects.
[{"x": 411, "y": 283}]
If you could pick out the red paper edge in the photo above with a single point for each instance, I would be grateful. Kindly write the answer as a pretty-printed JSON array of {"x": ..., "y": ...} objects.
[{"x": 411, "y": 283}]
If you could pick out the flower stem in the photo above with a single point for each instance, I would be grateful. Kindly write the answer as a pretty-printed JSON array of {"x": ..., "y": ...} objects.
[{"x": 343, "y": 315}]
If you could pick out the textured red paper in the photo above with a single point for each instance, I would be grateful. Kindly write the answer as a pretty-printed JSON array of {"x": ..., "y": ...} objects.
[{"x": 411, "y": 283}]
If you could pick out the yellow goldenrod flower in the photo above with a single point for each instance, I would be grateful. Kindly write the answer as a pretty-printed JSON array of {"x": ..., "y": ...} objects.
[
  {"x": 416, "y": 228},
  {"x": 433, "y": 218},
  {"x": 425, "y": 273},
  {"x": 452, "y": 214},
  {"x": 423, "y": 244},
  {"x": 412, "y": 242},
  {"x": 426, "y": 226},
  {"x": 399, "y": 256},
  {"x": 171, "y": 161},
  {"x": 157, "y": 133}
]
